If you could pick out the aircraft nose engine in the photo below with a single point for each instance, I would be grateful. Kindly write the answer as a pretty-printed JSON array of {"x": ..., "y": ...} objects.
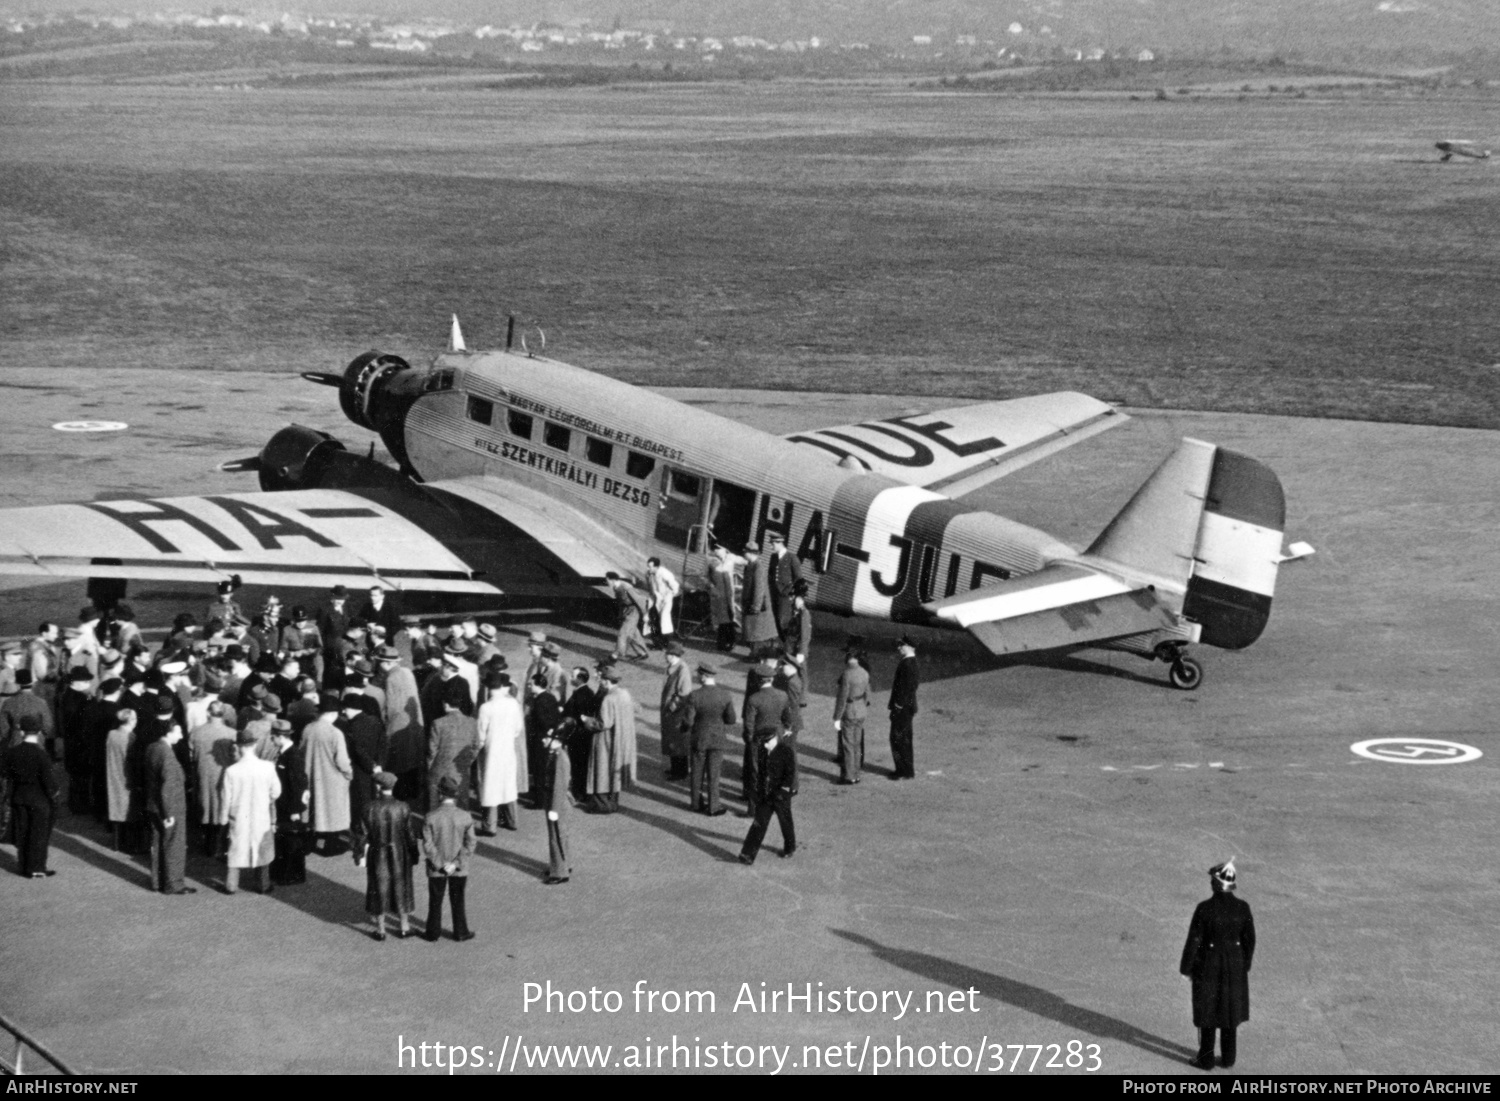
[
  {"x": 295, "y": 458},
  {"x": 375, "y": 390}
]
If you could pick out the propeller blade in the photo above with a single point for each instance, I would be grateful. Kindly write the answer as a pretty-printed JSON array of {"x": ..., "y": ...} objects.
[
  {"x": 241, "y": 466},
  {"x": 323, "y": 378}
]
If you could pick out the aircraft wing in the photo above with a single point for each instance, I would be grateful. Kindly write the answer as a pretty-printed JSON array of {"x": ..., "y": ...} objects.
[
  {"x": 306, "y": 538},
  {"x": 1059, "y": 606},
  {"x": 955, "y": 451}
]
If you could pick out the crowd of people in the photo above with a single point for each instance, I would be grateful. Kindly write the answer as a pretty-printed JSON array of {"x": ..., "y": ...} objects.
[{"x": 263, "y": 738}]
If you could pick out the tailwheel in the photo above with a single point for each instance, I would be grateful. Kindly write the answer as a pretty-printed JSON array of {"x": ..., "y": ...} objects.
[{"x": 1185, "y": 673}]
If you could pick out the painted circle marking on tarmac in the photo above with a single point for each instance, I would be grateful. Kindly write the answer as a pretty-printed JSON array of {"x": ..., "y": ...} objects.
[
  {"x": 1417, "y": 751},
  {"x": 90, "y": 426}
]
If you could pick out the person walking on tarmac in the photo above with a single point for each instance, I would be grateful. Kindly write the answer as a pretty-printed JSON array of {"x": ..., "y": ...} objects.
[{"x": 1216, "y": 957}]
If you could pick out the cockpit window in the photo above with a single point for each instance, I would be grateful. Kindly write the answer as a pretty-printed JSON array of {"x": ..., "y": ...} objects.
[
  {"x": 438, "y": 380},
  {"x": 481, "y": 411}
]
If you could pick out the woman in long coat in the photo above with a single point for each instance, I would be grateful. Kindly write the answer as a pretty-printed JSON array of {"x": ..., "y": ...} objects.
[
  {"x": 501, "y": 726},
  {"x": 390, "y": 852},
  {"x": 1216, "y": 957}
]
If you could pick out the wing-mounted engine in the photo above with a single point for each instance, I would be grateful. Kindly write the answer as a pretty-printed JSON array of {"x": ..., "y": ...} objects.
[
  {"x": 375, "y": 391},
  {"x": 298, "y": 457}
]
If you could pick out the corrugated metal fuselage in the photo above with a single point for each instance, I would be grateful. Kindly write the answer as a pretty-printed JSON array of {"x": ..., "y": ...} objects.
[{"x": 665, "y": 478}]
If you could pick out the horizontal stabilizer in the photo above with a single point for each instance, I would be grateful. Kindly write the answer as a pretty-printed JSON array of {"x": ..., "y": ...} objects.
[{"x": 1059, "y": 606}]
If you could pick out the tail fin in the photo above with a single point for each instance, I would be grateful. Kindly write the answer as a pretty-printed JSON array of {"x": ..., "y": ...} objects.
[{"x": 1207, "y": 524}]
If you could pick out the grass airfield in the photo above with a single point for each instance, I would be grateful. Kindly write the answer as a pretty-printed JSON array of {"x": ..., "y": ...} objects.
[{"x": 173, "y": 255}]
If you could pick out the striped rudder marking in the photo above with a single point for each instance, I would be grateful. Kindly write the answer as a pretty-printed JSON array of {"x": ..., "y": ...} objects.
[{"x": 1238, "y": 551}]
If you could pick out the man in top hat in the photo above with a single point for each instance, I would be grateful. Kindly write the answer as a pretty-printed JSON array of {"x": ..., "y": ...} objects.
[
  {"x": 333, "y": 620},
  {"x": 381, "y": 609},
  {"x": 675, "y": 689},
  {"x": 757, "y": 615},
  {"x": 851, "y": 703},
  {"x": 708, "y": 715},
  {"x": 768, "y": 713},
  {"x": 364, "y": 738},
  {"x": 1216, "y": 957},
  {"x": 166, "y": 811},
  {"x": 903, "y": 707},
  {"x": 75, "y": 724},
  {"x": 325, "y": 756},
  {"x": 251, "y": 789},
  {"x": 32, "y": 791},
  {"x": 630, "y": 605},
  {"x": 662, "y": 588},
  {"x": 448, "y": 840},
  {"x": 784, "y": 570}
]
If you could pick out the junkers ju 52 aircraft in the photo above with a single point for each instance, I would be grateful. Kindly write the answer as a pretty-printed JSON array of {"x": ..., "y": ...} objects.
[{"x": 518, "y": 474}]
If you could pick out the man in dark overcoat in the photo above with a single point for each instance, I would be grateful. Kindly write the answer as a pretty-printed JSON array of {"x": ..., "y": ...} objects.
[
  {"x": 583, "y": 709},
  {"x": 33, "y": 789},
  {"x": 557, "y": 777},
  {"x": 675, "y": 689},
  {"x": 784, "y": 571},
  {"x": 1216, "y": 957},
  {"x": 777, "y": 775},
  {"x": 903, "y": 708},
  {"x": 708, "y": 715},
  {"x": 166, "y": 811},
  {"x": 768, "y": 713}
]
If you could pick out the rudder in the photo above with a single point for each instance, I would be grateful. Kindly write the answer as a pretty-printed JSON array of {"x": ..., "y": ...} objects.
[{"x": 1238, "y": 551}]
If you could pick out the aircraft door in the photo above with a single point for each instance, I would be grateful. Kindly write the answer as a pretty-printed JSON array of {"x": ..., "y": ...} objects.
[
  {"x": 679, "y": 519},
  {"x": 731, "y": 515}
]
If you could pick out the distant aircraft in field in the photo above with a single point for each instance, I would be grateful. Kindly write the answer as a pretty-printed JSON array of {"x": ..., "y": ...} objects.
[
  {"x": 1455, "y": 148},
  {"x": 520, "y": 475}
]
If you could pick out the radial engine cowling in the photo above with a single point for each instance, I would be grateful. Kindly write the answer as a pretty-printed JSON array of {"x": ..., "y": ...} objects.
[
  {"x": 378, "y": 389},
  {"x": 295, "y": 458}
]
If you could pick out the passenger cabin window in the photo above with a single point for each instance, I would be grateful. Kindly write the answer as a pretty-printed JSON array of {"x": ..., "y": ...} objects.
[
  {"x": 638, "y": 465},
  {"x": 481, "y": 411},
  {"x": 555, "y": 435},
  {"x": 520, "y": 424},
  {"x": 599, "y": 452}
]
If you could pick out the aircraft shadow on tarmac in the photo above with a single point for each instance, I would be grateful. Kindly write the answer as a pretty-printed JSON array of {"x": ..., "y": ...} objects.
[{"x": 1032, "y": 999}]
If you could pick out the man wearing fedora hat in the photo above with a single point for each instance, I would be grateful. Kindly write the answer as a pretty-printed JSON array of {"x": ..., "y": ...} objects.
[
  {"x": 325, "y": 756},
  {"x": 453, "y": 743},
  {"x": 613, "y": 762},
  {"x": 1216, "y": 957},
  {"x": 675, "y": 689},
  {"x": 166, "y": 811},
  {"x": 31, "y": 797},
  {"x": 501, "y": 725},
  {"x": 406, "y": 741}
]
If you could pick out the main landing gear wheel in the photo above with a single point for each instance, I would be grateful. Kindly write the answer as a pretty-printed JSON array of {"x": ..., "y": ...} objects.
[{"x": 1185, "y": 673}]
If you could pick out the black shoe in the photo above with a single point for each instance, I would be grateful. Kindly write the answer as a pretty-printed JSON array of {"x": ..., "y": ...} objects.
[
  {"x": 377, "y": 935},
  {"x": 551, "y": 880},
  {"x": 488, "y": 833},
  {"x": 461, "y": 937},
  {"x": 787, "y": 854},
  {"x": 746, "y": 859},
  {"x": 1204, "y": 1064},
  {"x": 898, "y": 776},
  {"x": 184, "y": 891},
  {"x": 430, "y": 936}
]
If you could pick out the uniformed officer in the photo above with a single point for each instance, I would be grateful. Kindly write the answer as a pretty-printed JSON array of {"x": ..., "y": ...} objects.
[
  {"x": 851, "y": 703},
  {"x": 707, "y": 716},
  {"x": 1216, "y": 957},
  {"x": 778, "y": 783},
  {"x": 903, "y": 707}
]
